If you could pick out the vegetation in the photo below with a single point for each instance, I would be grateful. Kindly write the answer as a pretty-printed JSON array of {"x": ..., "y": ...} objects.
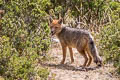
[
  {"x": 24, "y": 32},
  {"x": 24, "y": 39},
  {"x": 110, "y": 36}
]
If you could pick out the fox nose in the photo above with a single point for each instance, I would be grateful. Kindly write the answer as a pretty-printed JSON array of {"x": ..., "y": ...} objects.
[{"x": 52, "y": 32}]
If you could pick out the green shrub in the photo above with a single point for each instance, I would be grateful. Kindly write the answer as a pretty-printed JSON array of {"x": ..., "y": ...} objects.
[
  {"x": 110, "y": 37},
  {"x": 110, "y": 44},
  {"x": 24, "y": 38}
]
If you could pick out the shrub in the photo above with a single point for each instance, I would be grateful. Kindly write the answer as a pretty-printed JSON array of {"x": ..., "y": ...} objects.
[
  {"x": 110, "y": 44},
  {"x": 24, "y": 38},
  {"x": 110, "y": 37}
]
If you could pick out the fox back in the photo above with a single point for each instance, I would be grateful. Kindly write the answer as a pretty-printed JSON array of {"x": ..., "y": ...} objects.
[{"x": 73, "y": 37}]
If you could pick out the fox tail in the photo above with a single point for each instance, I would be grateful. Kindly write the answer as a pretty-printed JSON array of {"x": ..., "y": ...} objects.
[{"x": 94, "y": 52}]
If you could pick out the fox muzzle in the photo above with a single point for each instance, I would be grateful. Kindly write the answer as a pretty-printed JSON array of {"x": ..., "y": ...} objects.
[{"x": 52, "y": 33}]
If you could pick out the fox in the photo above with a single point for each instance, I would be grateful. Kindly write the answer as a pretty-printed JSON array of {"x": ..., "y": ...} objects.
[{"x": 80, "y": 39}]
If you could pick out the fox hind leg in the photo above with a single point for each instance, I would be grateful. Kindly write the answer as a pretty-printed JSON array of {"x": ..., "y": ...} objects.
[
  {"x": 71, "y": 54},
  {"x": 85, "y": 57},
  {"x": 90, "y": 58}
]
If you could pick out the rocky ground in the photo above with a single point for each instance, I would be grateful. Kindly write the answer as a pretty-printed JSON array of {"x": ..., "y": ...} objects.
[{"x": 73, "y": 71}]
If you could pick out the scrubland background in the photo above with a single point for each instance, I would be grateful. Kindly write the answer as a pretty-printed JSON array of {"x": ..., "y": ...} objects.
[{"x": 25, "y": 33}]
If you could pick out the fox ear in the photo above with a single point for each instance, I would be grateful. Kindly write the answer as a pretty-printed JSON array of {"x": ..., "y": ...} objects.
[
  {"x": 51, "y": 19},
  {"x": 60, "y": 21}
]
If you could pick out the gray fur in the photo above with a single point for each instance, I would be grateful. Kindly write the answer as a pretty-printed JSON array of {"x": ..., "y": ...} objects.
[{"x": 79, "y": 39}]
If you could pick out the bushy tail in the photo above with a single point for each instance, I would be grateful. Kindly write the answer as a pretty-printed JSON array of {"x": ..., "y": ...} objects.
[{"x": 94, "y": 52}]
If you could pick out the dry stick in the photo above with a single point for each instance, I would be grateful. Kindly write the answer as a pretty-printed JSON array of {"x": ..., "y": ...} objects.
[
  {"x": 77, "y": 8},
  {"x": 66, "y": 14},
  {"x": 80, "y": 11}
]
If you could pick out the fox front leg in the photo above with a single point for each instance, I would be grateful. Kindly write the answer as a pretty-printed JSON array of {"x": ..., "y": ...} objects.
[
  {"x": 64, "y": 48},
  {"x": 71, "y": 54}
]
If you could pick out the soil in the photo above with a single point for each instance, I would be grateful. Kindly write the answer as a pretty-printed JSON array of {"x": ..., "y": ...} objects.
[{"x": 73, "y": 71}]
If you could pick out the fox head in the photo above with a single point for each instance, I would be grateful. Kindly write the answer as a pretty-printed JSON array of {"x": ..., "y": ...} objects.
[{"x": 55, "y": 26}]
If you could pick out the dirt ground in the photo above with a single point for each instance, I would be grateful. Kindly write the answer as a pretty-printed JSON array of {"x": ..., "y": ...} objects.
[{"x": 73, "y": 71}]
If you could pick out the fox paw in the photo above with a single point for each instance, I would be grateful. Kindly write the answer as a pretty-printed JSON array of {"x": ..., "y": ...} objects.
[
  {"x": 62, "y": 62},
  {"x": 72, "y": 62}
]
